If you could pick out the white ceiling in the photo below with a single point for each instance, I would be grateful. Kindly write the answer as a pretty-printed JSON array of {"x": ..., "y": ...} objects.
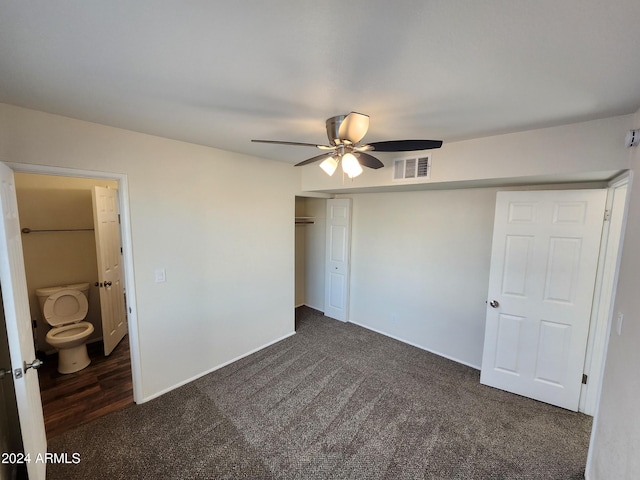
[{"x": 220, "y": 73}]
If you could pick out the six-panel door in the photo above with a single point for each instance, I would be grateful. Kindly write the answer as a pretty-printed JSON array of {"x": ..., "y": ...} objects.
[{"x": 543, "y": 269}]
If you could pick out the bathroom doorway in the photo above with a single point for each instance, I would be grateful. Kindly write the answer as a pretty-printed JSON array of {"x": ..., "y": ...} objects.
[{"x": 59, "y": 246}]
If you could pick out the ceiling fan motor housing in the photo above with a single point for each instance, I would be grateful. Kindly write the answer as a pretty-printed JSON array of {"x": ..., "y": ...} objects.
[{"x": 333, "y": 129}]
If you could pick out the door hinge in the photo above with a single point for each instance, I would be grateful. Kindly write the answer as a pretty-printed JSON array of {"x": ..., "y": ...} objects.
[
  {"x": 584, "y": 378},
  {"x": 607, "y": 215},
  {"x": 118, "y": 219}
]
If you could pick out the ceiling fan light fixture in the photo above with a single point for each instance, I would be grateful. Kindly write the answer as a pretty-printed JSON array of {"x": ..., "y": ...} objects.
[
  {"x": 329, "y": 165},
  {"x": 350, "y": 165}
]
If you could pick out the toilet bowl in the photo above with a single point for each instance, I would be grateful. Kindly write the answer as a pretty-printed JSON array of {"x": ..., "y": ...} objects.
[{"x": 65, "y": 308}]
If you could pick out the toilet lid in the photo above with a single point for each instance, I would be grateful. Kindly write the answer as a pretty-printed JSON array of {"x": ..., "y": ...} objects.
[{"x": 65, "y": 307}]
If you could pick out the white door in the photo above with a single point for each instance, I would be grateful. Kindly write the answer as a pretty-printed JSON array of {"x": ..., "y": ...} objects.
[
  {"x": 107, "y": 231},
  {"x": 336, "y": 291},
  {"x": 18, "y": 321},
  {"x": 543, "y": 268}
]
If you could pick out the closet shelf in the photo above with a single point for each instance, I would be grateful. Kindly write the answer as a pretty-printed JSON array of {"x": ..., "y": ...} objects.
[
  {"x": 305, "y": 220},
  {"x": 29, "y": 230}
]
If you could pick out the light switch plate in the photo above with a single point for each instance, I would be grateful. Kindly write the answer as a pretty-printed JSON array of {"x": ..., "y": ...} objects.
[
  {"x": 160, "y": 275},
  {"x": 619, "y": 323}
]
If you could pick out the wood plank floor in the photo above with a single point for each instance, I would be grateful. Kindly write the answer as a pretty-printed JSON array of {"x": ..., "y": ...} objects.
[{"x": 77, "y": 398}]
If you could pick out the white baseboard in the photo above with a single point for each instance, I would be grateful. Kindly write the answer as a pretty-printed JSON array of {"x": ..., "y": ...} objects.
[
  {"x": 195, "y": 377},
  {"x": 421, "y": 347}
]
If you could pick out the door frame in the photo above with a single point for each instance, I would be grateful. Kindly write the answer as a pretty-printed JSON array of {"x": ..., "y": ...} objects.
[
  {"x": 127, "y": 251},
  {"x": 627, "y": 177},
  {"x": 604, "y": 292},
  {"x": 317, "y": 265}
]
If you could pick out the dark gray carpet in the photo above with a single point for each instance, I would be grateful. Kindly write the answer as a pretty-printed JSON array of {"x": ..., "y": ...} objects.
[{"x": 334, "y": 401}]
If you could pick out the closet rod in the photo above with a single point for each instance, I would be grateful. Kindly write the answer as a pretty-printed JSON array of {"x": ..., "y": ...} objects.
[{"x": 28, "y": 230}]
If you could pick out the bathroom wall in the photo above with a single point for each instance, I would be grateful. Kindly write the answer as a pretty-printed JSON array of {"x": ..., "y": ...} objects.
[{"x": 58, "y": 258}]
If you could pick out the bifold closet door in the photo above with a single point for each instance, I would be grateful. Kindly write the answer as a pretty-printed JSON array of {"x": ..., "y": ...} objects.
[{"x": 338, "y": 245}]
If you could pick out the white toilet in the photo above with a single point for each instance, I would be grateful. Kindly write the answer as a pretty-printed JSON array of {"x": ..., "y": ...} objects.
[{"x": 64, "y": 308}]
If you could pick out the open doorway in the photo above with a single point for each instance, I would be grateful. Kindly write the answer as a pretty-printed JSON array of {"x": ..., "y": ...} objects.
[
  {"x": 310, "y": 233},
  {"x": 60, "y": 249},
  {"x": 58, "y": 242}
]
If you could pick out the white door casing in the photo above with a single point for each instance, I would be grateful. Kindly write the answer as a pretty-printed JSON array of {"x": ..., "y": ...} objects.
[
  {"x": 336, "y": 298},
  {"x": 543, "y": 267},
  {"x": 107, "y": 234},
  {"x": 18, "y": 322},
  {"x": 604, "y": 294}
]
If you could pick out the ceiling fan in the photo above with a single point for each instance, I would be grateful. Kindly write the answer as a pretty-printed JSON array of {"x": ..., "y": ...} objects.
[{"x": 345, "y": 133}]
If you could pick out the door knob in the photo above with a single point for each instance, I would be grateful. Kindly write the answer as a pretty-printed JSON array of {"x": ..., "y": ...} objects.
[
  {"x": 36, "y": 364},
  {"x": 108, "y": 284},
  {"x": 4, "y": 372},
  {"x": 494, "y": 303}
]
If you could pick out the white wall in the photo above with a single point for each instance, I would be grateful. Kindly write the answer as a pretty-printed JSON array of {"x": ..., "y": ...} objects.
[
  {"x": 616, "y": 437},
  {"x": 220, "y": 223},
  {"x": 420, "y": 267},
  {"x": 565, "y": 153}
]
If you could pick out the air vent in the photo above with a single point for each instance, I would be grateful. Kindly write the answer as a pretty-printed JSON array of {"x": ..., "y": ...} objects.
[{"x": 413, "y": 167}]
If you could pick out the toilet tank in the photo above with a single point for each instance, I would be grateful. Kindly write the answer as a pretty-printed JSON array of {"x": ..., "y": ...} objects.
[{"x": 44, "y": 293}]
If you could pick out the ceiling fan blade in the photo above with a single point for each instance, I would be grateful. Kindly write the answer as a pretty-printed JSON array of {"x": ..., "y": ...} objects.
[
  {"x": 314, "y": 159},
  {"x": 405, "y": 145},
  {"x": 278, "y": 142},
  {"x": 362, "y": 148},
  {"x": 354, "y": 127},
  {"x": 367, "y": 160}
]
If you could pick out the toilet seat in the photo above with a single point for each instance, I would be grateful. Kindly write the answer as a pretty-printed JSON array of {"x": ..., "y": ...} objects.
[
  {"x": 84, "y": 329},
  {"x": 65, "y": 307}
]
